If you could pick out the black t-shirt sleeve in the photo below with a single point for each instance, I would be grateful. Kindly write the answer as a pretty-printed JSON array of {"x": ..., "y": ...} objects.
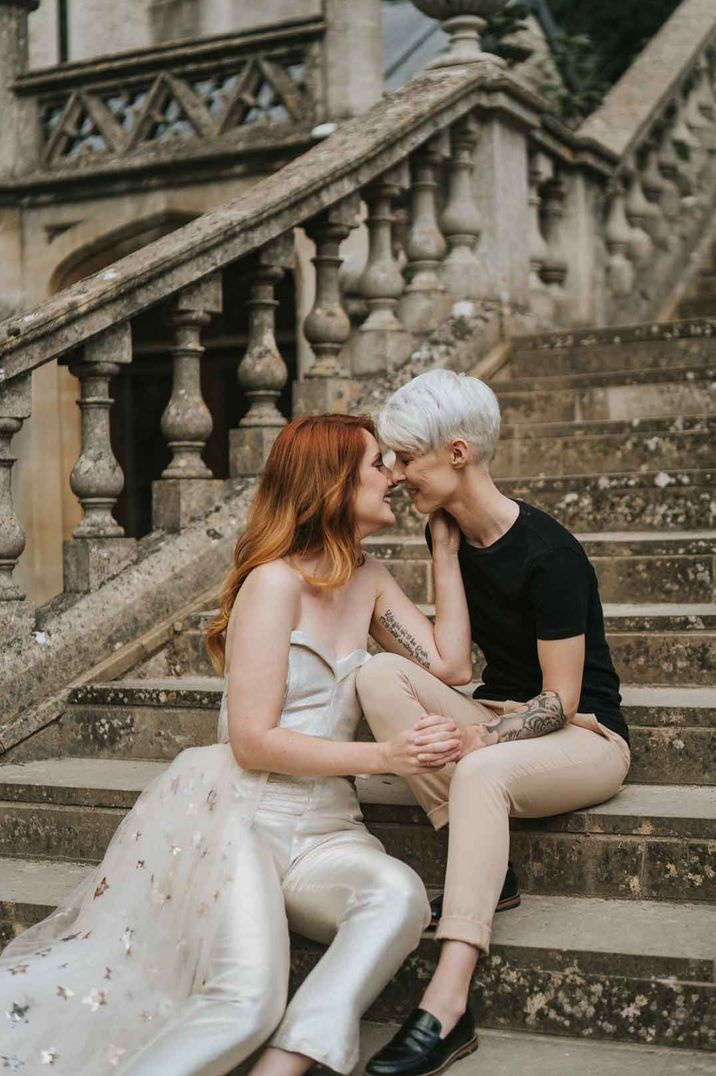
[{"x": 558, "y": 588}]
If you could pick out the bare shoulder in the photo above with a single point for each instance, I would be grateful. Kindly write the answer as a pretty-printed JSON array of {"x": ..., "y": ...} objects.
[
  {"x": 376, "y": 570},
  {"x": 270, "y": 592}
]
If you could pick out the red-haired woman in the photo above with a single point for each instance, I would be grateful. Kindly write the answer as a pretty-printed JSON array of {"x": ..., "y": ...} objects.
[{"x": 173, "y": 958}]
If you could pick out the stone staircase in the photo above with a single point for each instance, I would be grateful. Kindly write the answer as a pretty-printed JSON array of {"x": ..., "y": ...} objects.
[{"x": 615, "y": 938}]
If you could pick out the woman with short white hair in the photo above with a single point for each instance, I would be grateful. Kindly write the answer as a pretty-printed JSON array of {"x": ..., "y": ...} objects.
[{"x": 542, "y": 734}]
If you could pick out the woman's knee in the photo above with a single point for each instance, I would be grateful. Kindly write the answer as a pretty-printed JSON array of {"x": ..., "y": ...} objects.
[
  {"x": 403, "y": 901},
  {"x": 482, "y": 771},
  {"x": 379, "y": 682}
]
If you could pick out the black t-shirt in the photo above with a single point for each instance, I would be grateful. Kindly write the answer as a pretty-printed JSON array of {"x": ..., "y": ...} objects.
[{"x": 536, "y": 582}]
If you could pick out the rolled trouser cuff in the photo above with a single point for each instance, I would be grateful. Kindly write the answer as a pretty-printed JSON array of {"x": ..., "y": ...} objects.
[
  {"x": 459, "y": 928},
  {"x": 439, "y": 816}
]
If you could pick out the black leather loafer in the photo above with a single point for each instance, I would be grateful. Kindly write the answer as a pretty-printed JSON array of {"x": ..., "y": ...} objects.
[
  {"x": 418, "y": 1050},
  {"x": 509, "y": 898}
]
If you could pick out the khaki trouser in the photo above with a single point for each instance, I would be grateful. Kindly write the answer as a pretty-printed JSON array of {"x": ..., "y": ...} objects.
[{"x": 580, "y": 765}]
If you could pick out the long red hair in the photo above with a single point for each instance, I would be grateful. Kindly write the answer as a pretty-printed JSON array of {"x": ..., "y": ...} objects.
[{"x": 304, "y": 505}]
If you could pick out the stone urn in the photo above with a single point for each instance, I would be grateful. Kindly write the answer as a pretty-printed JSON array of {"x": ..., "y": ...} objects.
[{"x": 463, "y": 20}]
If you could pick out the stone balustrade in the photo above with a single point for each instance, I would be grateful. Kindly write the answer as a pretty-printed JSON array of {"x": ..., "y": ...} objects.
[
  {"x": 502, "y": 208},
  {"x": 259, "y": 91},
  {"x": 658, "y": 122}
]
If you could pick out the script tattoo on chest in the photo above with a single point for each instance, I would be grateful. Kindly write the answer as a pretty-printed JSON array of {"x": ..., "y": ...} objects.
[{"x": 409, "y": 643}]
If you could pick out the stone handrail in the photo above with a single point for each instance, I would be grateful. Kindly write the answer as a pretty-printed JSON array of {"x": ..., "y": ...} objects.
[{"x": 234, "y": 92}]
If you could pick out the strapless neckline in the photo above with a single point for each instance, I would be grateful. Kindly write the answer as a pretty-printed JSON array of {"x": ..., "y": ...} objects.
[
  {"x": 310, "y": 642},
  {"x": 305, "y": 638}
]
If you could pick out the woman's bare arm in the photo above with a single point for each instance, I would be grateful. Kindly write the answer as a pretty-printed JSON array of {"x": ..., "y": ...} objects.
[
  {"x": 443, "y": 648},
  {"x": 562, "y": 664}
]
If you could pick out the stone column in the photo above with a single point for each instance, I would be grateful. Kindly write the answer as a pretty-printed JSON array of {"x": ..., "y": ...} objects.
[
  {"x": 17, "y": 615},
  {"x": 382, "y": 342},
  {"x": 461, "y": 223},
  {"x": 353, "y": 56},
  {"x": 262, "y": 371},
  {"x": 186, "y": 489},
  {"x": 98, "y": 549},
  {"x": 425, "y": 301},
  {"x": 326, "y": 386},
  {"x": 18, "y": 144},
  {"x": 501, "y": 174}
]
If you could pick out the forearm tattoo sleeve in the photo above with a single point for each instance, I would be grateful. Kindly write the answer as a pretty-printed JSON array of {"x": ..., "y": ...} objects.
[
  {"x": 544, "y": 714},
  {"x": 408, "y": 642}
]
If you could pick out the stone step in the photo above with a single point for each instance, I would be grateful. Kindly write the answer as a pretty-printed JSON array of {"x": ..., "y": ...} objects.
[
  {"x": 648, "y": 842},
  {"x": 653, "y": 644},
  {"x": 654, "y": 501},
  {"x": 657, "y": 500},
  {"x": 673, "y": 729},
  {"x": 700, "y": 306},
  {"x": 635, "y": 971},
  {"x": 584, "y": 447},
  {"x": 603, "y": 397},
  {"x": 503, "y": 1053},
  {"x": 630, "y": 567},
  {"x": 591, "y": 356}
]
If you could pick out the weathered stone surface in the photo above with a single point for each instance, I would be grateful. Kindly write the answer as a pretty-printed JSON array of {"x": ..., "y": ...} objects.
[
  {"x": 90, "y": 562},
  {"x": 682, "y": 755},
  {"x": 178, "y": 501},
  {"x": 620, "y": 446},
  {"x": 688, "y": 392},
  {"x": 663, "y": 500},
  {"x": 171, "y": 572},
  {"x": 673, "y": 344}
]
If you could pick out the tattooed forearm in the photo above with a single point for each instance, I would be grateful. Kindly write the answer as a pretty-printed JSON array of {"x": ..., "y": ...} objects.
[
  {"x": 543, "y": 714},
  {"x": 409, "y": 643}
]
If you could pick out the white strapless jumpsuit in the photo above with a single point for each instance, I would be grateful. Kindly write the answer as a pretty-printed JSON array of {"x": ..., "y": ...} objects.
[{"x": 172, "y": 957}]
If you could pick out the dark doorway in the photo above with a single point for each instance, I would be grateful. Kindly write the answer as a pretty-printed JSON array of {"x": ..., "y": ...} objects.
[{"x": 141, "y": 392}]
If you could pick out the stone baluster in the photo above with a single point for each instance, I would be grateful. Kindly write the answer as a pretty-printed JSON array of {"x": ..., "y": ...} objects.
[
  {"x": 540, "y": 299},
  {"x": 98, "y": 549},
  {"x": 328, "y": 326},
  {"x": 554, "y": 268},
  {"x": 706, "y": 100},
  {"x": 186, "y": 489},
  {"x": 698, "y": 119},
  {"x": 691, "y": 154},
  {"x": 669, "y": 167},
  {"x": 262, "y": 371},
  {"x": 16, "y": 613},
  {"x": 425, "y": 301},
  {"x": 326, "y": 386},
  {"x": 460, "y": 219},
  {"x": 638, "y": 210},
  {"x": 675, "y": 168},
  {"x": 655, "y": 188},
  {"x": 382, "y": 341},
  {"x": 620, "y": 271}
]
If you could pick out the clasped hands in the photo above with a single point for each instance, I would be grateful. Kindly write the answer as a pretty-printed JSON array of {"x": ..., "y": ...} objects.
[{"x": 431, "y": 743}]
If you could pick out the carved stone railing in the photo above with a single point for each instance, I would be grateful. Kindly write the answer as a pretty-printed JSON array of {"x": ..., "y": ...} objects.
[
  {"x": 239, "y": 93},
  {"x": 659, "y": 123},
  {"x": 505, "y": 210}
]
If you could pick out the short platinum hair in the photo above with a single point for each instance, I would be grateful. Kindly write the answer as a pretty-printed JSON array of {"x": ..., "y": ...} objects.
[{"x": 438, "y": 407}]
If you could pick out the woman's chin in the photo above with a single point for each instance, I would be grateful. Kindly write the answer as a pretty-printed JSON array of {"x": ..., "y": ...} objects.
[{"x": 368, "y": 527}]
